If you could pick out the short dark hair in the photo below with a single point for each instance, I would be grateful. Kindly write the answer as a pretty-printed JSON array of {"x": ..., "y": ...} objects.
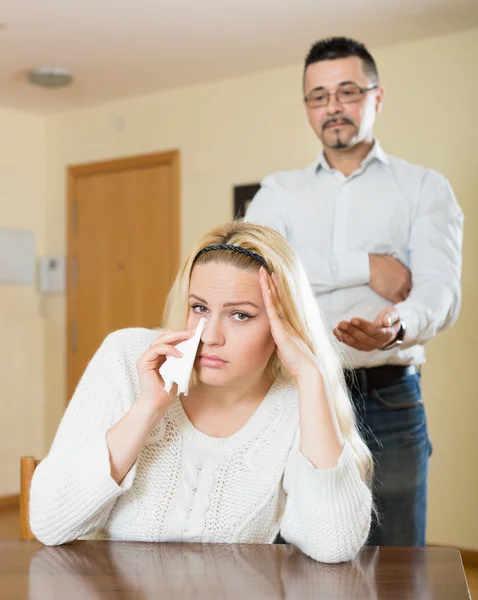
[{"x": 342, "y": 47}]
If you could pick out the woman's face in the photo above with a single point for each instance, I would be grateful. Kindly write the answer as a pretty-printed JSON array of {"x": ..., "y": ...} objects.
[{"x": 237, "y": 342}]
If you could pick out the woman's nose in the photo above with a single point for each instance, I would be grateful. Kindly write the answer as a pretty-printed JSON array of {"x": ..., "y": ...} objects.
[{"x": 213, "y": 334}]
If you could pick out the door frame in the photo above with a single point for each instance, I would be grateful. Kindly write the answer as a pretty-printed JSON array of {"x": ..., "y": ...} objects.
[{"x": 171, "y": 158}]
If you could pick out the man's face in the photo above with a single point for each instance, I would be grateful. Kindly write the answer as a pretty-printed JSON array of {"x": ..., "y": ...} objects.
[{"x": 341, "y": 125}]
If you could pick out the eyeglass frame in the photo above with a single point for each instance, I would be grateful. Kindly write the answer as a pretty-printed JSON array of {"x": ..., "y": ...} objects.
[{"x": 362, "y": 91}]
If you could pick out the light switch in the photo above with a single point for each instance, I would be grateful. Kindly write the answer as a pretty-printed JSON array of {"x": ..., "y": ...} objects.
[{"x": 52, "y": 274}]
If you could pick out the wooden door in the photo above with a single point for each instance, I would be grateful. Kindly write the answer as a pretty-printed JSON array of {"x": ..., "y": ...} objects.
[{"x": 123, "y": 249}]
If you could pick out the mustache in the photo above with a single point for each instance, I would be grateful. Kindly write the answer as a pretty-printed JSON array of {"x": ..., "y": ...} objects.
[{"x": 336, "y": 120}]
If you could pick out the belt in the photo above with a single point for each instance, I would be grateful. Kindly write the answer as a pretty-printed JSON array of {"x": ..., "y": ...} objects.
[{"x": 375, "y": 378}]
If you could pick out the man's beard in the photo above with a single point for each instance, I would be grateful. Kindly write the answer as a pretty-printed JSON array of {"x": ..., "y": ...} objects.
[{"x": 337, "y": 143}]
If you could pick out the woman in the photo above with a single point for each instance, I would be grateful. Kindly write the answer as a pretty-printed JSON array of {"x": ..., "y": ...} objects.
[{"x": 265, "y": 441}]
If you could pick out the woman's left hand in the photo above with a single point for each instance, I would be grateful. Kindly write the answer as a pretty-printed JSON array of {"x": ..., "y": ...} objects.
[{"x": 293, "y": 352}]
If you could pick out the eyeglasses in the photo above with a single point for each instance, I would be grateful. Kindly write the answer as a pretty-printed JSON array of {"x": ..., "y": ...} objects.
[{"x": 345, "y": 94}]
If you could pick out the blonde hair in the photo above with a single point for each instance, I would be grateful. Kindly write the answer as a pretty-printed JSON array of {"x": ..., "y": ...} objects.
[{"x": 299, "y": 307}]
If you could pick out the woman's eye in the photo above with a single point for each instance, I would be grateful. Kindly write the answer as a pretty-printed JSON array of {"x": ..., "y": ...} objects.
[
  {"x": 238, "y": 316},
  {"x": 199, "y": 308}
]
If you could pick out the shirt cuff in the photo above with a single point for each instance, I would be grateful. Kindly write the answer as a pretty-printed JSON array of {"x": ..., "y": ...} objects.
[{"x": 412, "y": 322}]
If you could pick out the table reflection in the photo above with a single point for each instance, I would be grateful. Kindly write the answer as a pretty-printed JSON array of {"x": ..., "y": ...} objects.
[{"x": 141, "y": 571}]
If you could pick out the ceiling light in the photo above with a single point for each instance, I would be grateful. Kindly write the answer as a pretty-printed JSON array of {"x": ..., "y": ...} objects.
[{"x": 50, "y": 77}]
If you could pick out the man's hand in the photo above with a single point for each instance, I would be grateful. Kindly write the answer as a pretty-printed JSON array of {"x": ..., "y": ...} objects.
[
  {"x": 389, "y": 277},
  {"x": 365, "y": 335}
]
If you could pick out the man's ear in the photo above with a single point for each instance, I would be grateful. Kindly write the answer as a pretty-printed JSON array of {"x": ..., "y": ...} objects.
[{"x": 379, "y": 98}]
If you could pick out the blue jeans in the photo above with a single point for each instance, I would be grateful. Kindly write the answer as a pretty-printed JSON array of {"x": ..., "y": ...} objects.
[{"x": 393, "y": 423}]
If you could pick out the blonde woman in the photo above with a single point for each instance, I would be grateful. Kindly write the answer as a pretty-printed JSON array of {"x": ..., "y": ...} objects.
[{"x": 265, "y": 441}]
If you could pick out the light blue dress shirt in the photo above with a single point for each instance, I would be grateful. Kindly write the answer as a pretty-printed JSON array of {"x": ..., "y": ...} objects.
[{"x": 387, "y": 206}]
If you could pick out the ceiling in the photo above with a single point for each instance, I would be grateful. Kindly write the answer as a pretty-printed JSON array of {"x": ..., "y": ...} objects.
[{"x": 122, "y": 48}]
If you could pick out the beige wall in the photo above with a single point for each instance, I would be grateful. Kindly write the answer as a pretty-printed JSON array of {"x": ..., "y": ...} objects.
[
  {"x": 237, "y": 131},
  {"x": 22, "y": 206},
  {"x": 429, "y": 118}
]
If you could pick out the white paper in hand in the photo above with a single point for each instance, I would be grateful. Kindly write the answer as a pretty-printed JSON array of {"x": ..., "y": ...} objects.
[{"x": 178, "y": 370}]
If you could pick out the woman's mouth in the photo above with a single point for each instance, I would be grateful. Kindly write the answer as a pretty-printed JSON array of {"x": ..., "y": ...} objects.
[{"x": 211, "y": 360}]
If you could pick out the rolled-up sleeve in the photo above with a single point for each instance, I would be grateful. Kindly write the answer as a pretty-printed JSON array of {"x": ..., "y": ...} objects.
[
  {"x": 72, "y": 491},
  {"x": 328, "y": 512}
]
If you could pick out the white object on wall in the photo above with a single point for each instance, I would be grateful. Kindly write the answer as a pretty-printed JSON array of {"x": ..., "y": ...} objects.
[
  {"x": 52, "y": 276},
  {"x": 17, "y": 257}
]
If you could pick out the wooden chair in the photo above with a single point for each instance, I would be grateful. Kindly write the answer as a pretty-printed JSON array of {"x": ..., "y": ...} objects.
[{"x": 28, "y": 464}]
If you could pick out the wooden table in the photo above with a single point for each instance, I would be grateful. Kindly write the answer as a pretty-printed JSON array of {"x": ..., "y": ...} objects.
[{"x": 140, "y": 571}]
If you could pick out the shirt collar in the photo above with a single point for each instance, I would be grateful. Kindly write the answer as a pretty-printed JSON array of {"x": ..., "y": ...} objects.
[{"x": 376, "y": 153}]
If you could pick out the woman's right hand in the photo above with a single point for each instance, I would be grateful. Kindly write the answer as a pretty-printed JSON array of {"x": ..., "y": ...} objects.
[{"x": 151, "y": 384}]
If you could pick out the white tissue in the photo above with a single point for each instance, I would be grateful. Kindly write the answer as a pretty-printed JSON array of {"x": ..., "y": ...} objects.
[{"x": 178, "y": 370}]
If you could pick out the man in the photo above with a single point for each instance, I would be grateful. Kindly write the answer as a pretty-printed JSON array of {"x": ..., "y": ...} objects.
[{"x": 380, "y": 240}]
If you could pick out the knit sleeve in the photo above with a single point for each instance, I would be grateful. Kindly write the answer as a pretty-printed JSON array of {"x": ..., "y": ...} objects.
[
  {"x": 72, "y": 492},
  {"x": 328, "y": 512}
]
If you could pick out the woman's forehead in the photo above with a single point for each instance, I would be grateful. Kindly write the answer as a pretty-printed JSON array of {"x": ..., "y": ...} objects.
[{"x": 219, "y": 277}]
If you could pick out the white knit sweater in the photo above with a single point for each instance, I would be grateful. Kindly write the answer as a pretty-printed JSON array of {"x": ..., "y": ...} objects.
[{"x": 187, "y": 486}]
